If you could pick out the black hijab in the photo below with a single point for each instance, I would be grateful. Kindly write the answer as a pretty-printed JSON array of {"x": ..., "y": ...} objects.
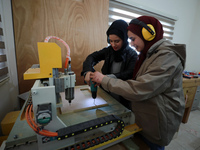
[{"x": 119, "y": 28}]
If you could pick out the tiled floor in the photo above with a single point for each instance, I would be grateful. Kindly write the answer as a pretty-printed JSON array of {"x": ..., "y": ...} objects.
[{"x": 188, "y": 137}]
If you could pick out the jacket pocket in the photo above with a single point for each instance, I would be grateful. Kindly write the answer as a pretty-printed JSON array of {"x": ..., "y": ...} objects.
[{"x": 147, "y": 118}]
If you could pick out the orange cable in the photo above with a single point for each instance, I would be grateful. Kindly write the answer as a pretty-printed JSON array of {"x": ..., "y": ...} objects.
[
  {"x": 33, "y": 123},
  {"x": 42, "y": 132},
  {"x": 68, "y": 58},
  {"x": 66, "y": 62},
  {"x": 27, "y": 119},
  {"x": 35, "y": 127}
]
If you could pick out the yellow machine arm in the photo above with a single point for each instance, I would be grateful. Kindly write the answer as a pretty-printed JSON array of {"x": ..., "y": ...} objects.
[{"x": 49, "y": 58}]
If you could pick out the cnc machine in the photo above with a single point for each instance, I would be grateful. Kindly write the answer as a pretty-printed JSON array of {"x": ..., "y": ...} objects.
[{"x": 60, "y": 115}]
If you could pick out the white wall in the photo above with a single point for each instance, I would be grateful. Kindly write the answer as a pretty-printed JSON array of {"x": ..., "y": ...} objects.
[
  {"x": 187, "y": 28},
  {"x": 193, "y": 51},
  {"x": 8, "y": 88}
]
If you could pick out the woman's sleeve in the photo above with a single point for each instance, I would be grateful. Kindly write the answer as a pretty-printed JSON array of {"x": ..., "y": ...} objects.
[
  {"x": 92, "y": 60},
  {"x": 155, "y": 80}
]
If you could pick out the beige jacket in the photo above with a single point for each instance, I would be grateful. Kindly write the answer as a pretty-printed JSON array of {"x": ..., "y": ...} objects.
[{"x": 156, "y": 95}]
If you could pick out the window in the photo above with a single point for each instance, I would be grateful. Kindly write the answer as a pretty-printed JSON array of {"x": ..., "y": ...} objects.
[
  {"x": 3, "y": 59},
  {"x": 118, "y": 10}
]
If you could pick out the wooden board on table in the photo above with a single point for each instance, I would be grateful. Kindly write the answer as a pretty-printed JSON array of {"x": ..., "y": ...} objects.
[{"x": 82, "y": 101}]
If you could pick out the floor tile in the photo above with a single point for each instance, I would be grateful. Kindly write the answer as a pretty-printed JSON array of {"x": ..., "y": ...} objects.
[{"x": 188, "y": 137}]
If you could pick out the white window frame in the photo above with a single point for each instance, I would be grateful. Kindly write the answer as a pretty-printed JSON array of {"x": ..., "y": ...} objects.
[
  {"x": 3, "y": 55},
  {"x": 119, "y": 10}
]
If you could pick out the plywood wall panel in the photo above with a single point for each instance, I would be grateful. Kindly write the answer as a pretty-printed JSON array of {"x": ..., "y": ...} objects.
[{"x": 81, "y": 23}]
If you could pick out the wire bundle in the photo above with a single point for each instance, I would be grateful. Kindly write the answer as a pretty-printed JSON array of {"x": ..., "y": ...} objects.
[
  {"x": 68, "y": 58},
  {"x": 34, "y": 126}
]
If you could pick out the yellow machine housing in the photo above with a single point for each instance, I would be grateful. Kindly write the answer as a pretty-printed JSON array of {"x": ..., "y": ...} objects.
[{"x": 46, "y": 52}]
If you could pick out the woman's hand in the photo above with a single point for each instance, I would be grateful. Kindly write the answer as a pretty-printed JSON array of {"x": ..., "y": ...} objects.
[
  {"x": 97, "y": 77},
  {"x": 87, "y": 77}
]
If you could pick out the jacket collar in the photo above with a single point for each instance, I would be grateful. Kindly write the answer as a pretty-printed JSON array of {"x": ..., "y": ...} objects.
[{"x": 153, "y": 48}]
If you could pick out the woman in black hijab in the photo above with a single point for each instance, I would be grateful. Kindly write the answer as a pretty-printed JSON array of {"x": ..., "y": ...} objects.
[{"x": 119, "y": 58}]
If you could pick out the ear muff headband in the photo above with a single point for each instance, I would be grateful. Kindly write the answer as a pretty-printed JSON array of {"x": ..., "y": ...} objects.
[{"x": 148, "y": 31}]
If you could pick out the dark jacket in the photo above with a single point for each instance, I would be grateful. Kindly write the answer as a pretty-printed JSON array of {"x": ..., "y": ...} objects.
[{"x": 126, "y": 72}]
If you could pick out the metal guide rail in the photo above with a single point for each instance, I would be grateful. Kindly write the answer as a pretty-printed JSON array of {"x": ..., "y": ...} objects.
[{"x": 91, "y": 125}]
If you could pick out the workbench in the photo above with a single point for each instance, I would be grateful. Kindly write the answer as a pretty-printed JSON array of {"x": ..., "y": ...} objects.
[
  {"x": 23, "y": 137},
  {"x": 191, "y": 89}
]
